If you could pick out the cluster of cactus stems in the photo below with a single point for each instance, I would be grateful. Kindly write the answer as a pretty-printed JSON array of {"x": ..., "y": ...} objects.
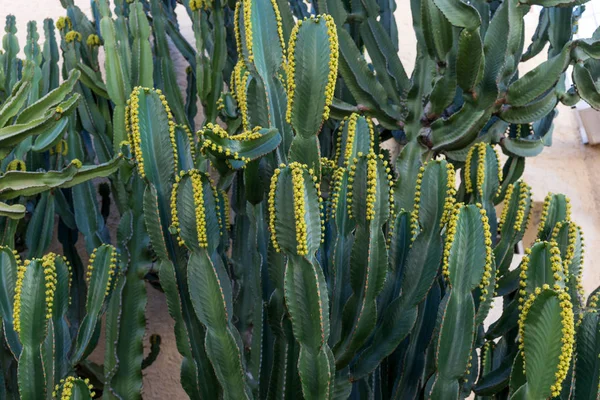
[{"x": 298, "y": 260}]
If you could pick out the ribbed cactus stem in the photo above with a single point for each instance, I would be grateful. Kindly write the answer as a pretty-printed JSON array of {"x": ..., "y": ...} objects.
[{"x": 567, "y": 332}]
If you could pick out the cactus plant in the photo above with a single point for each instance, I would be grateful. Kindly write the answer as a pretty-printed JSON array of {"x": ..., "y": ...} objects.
[{"x": 297, "y": 259}]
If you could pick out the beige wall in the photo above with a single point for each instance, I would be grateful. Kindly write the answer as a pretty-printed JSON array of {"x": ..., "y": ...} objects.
[{"x": 568, "y": 167}]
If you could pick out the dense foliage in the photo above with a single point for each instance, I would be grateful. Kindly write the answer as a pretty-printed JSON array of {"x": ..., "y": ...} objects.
[{"x": 297, "y": 257}]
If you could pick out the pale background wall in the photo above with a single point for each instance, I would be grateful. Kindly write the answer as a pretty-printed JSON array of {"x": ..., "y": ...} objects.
[{"x": 568, "y": 167}]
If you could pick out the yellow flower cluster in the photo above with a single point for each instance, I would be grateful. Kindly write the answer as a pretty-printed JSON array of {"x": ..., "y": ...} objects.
[
  {"x": 93, "y": 40},
  {"x": 247, "y": 4},
  {"x": 132, "y": 122},
  {"x": 242, "y": 97},
  {"x": 196, "y": 5},
  {"x": 317, "y": 187},
  {"x": 90, "y": 268},
  {"x": 172, "y": 126},
  {"x": 174, "y": 217},
  {"x": 222, "y": 133},
  {"x": 64, "y": 22},
  {"x": 523, "y": 277},
  {"x": 481, "y": 159},
  {"x": 76, "y": 163},
  {"x": 16, "y": 165},
  {"x": 487, "y": 270},
  {"x": 73, "y": 36},
  {"x": 498, "y": 166},
  {"x": 593, "y": 301},
  {"x": 111, "y": 268},
  {"x": 450, "y": 236},
  {"x": 67, "y": 387},
  {"x": 523, "y": 318},
  {"x": 61, "y": 148},
  {"x": 520, "y": 223},
  {"x": 279, "y": 25},
  {"x": 371, "y": 133},
  {"x": 327, "y": 164},
  {"x": 487, "y": 347},
  {"x": 190, "y": 137},
  {"x": 271, "y": 203},
  {"x": 21, "y": 269},
  {"x": 467, "y": 169},
  {"x": 390, "y": 200},
  {"x": 450, "y": 194},
  {"x": 506, "y": 206},
  {"x": 226, "y": 207},
  {"x": 371, "y": 186},
  {"x": 581, "y": 258},
  {"x": 414, "y": 216},
  {"x": 574, "y": 234},
  {"x": 297, "y": 171},
  {"x": 291, "y": 69},
  {"x": 568, "y": 335},
  {"x": 338, "y": 147},
  {"x": 217, "y": 130},
  {"x": 198, "y": 190},
  {"x": 215, "y": 193},
  {"x": 248, "y": 135},
  {"x": 350, "y": 186},
  {"x": 333, "y": 63},
  {"x": 568, "y": 342},
  {"x": 336, "y": 184},
  {"x": 220, "y": 104},
  {"x": 50, "y": 281},
  {"x": 524, "y": 199},
  {"x": 236, "y": 30},
  {"x": 349, "y": 149},
  {"x": 557, "y": 265},
  {"x": 546, "y": 209},
  {"x": 70, "y": 269},
  {"x": 481, "y": 150}
]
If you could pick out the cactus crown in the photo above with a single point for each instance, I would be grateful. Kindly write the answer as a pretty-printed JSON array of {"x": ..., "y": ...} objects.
[{"x": 73, "y": 36}]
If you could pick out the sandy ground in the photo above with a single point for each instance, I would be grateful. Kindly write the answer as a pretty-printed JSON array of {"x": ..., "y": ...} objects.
[{"x": 568, "y": 167}]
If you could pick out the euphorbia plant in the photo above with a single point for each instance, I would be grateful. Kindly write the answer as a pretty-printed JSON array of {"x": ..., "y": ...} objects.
[{"x": 297, "y": 259}]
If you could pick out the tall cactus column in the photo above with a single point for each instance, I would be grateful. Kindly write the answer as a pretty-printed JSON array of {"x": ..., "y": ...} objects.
[
  {"x": 298, "y": 235},
  {"x": 209, "y": 284},
  {"x": 369, "y": 206},
  {"x": 467, "y": 265}
]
